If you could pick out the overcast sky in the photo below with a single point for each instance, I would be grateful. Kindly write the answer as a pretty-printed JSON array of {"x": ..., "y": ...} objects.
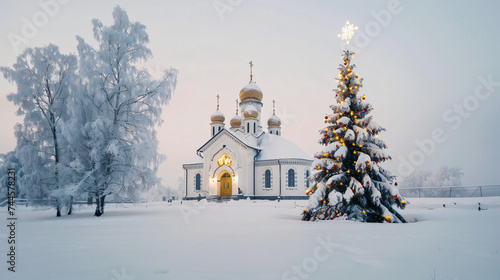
[{"x": 422, "y": 67}]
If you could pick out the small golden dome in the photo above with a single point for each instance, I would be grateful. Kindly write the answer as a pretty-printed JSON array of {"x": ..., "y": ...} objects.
[
  {"x": 217, "y": 117},
  {"x": 235, "y": 121},
  {"x": 274, "y": 121},
  {"x": 251, "y": 91},
  {"x": 250, "y": 112}
]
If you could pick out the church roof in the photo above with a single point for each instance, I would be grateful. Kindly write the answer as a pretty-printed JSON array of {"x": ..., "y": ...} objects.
[
  {"x": 270, "y": 146},
  {"x": 217, "y": 117},
  {"x": 251, "y": 91},
  {"x": 238, "y": 136},
  {"x": 218, "y": 113},
  {"x": 250, "y": 109},
  {"x": 274, "y": 121},
  {"x": 235, "y": 121},
  {"x": 277, "y": 147},
  {"x": 250, "y": 112}
]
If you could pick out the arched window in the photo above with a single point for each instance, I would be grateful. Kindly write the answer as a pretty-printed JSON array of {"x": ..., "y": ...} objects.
[
  {"x": 220, "y": 127},
  {"x": 267, "y": 179},
  {"x": 248, "y": 127},
  {"x": 291, "y": 178},
  {"x": 213, "y": 130},
  {"x": 307, "y": 179},
  {"x": 254, "y": 127},
  {"x": 198, "y": 181}
]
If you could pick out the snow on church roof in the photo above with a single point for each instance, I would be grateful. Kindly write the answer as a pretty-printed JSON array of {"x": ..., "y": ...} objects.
[
  {"x": 251, "y": 91},
  {"x": 250, "y": 109},
  {"x": 274, "y": 118},
  {"x": 277, "y": 147},
  {"x": 250, "y": 112},
  {"x": 274, "y": 121},
  {"x": 251, "y": 86},
  {"x": 271, "y": 146},
  {"x": 218, "y": 113}
]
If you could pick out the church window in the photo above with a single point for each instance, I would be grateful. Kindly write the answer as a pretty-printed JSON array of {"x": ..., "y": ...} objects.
[
  {"x": 254, "y": 127},
  {"x": 198, "y": 181},
  {"x": 220, "y": 128},
  {"x": 291, "y": 178},
  {"x": 213, "y": 131},
  {"x": 306, "y": 179},
  {"x": 248, "y": 127},
  {"x": 267, "y": 179}
]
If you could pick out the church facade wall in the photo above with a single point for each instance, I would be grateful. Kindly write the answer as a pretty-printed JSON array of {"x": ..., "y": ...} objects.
[
  {"x": 277, "y": 184},
  {"x": 282, "y": 182},
  {"x": 191, "y": 180},
  {"x": 242, "y": 160}
]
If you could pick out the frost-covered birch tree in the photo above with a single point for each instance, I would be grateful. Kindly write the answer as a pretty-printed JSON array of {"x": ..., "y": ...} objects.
[
  {"x": 8, "y": 160},
  {"x": 117, "y": 111},
  {"x": 44, "y": 78}
]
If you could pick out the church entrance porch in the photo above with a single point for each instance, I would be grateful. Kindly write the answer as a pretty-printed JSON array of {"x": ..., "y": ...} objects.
[{"x": 225, "y": 185}]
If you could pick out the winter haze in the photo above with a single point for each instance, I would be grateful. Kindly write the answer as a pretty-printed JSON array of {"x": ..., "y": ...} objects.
[{"x": 429, "y": 69}]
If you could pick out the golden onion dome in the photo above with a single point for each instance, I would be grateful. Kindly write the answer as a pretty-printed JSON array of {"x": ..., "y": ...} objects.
[
  {"x": 251, "y": 91},
  {"x": 274, "y": 121},
  {"x": 250, "y": 112},
  {"x": 217, "y": 117},
  {"x": 235, "y": 121}
]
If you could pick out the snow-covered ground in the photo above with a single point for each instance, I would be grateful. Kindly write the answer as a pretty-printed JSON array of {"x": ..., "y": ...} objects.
[{"x": 256, "y": 240}]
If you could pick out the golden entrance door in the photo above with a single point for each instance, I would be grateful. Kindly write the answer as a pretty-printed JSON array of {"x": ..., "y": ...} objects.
[{"x": 225, "y": 185}]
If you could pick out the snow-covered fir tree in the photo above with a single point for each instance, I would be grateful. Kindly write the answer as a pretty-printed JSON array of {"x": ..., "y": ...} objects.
[{"x": 346, "y": 177}]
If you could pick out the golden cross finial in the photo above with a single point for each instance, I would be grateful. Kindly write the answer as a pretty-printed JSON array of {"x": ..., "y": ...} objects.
[
  {"x": 251, "y": 65},
  {"x": 218, "y": 101},
  {"x": 347, "y": 32},
  {"x": 236, "y": 106},
  {"x": 274, "y": 106}
]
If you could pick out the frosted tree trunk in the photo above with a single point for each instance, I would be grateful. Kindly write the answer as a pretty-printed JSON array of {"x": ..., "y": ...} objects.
[
  {"x": 56, "y": 155},
  {"x": 99, "y": 209}
]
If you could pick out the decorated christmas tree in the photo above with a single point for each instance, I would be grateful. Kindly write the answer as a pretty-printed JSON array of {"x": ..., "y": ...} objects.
[{"x": 347, "y": 180}]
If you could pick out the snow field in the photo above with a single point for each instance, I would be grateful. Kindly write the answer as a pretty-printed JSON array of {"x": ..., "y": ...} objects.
[{"x": 256, "y": 240}]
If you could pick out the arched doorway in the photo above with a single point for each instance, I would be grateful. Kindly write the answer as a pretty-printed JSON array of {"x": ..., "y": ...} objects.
[{"x": 225, "y": 186}]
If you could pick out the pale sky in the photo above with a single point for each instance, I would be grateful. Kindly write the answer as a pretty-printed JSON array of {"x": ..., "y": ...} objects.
[{"x": 424, "y": 62}]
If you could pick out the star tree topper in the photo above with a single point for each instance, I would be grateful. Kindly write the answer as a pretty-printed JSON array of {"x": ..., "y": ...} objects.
[{"x": 348, "y": 32}]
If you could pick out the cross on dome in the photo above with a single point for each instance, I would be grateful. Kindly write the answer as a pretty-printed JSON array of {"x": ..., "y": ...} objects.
[
  {"x": 217, "y": 117},
  {"x": 251, "y": 66}
]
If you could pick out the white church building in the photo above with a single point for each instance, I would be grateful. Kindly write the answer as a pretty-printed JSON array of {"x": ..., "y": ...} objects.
[{"x": 243, "y": 160}]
